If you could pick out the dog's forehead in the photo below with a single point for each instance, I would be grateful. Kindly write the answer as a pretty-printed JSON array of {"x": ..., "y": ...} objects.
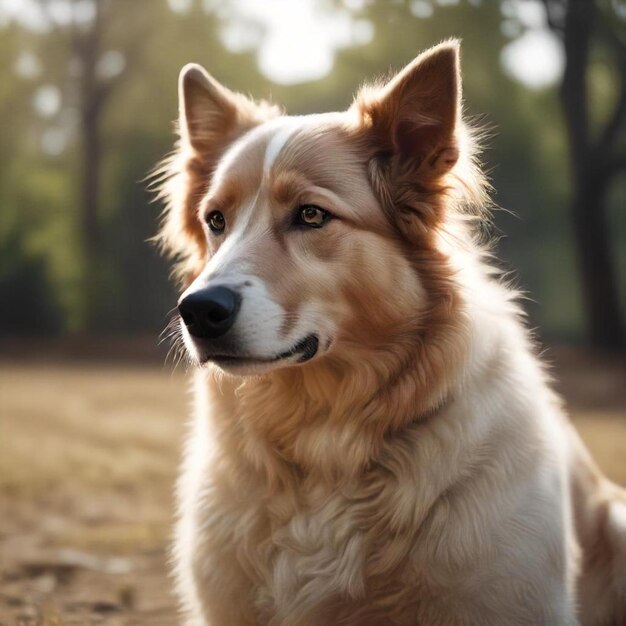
[{"x": 310, "y": 145}]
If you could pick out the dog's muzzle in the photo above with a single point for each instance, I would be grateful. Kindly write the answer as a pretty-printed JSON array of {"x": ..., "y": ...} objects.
[{"x": 210, "y": 316}]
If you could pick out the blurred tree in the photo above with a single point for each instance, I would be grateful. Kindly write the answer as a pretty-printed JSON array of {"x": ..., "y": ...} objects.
[
  {"x": 91, "y": 61},
  {"x": 29, "y": 301},
  {"x": 596, "y": 155}
]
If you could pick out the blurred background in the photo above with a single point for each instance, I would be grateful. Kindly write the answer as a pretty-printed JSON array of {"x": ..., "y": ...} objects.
[{"x": 90, "y": 416}]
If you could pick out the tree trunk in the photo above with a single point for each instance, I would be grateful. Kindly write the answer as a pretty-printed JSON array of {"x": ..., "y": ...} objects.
[
  {"x": 89, "y": 219},
  {"x": 597, "y": 267},
  {"x": 87, "y": 49},
  {"x": 591, "y": 179}
]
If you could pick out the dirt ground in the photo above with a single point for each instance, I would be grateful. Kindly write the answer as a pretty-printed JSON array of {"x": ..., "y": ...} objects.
[{"x": 88, "y": 455}]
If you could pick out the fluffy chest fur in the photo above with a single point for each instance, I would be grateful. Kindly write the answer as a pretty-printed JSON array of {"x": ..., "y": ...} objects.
[{"x": 427, "y": 525}]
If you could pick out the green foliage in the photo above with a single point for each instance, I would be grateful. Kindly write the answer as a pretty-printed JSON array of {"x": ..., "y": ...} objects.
[{"x": 29, "y": 302}]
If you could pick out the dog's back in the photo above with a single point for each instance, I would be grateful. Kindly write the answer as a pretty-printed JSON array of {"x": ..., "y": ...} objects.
[{"x": 600, "y": 516}]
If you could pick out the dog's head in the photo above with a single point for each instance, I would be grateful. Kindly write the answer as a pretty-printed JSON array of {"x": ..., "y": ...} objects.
[{"x": 302, "y": 236}]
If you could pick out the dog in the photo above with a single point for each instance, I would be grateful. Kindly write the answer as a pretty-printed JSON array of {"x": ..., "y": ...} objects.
[{"x": 375, "y": 441}]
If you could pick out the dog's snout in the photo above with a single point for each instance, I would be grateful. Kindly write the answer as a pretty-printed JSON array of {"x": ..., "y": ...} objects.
[{"x": 209, "y": 313}]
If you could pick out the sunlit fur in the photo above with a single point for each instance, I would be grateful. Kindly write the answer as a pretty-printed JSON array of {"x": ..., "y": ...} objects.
[{"x": 418, "y": 470}]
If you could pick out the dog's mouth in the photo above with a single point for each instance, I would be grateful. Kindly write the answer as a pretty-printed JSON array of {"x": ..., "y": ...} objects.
[{"x": 303, "y": 351}]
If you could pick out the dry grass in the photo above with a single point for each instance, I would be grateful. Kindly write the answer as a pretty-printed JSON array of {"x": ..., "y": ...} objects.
[{"x": 88, "y": 456}]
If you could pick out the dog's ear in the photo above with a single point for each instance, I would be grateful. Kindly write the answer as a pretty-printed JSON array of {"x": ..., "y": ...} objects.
[
  {"x": 210, "y": 115},
  {"x": 414, "y": 117},
  {"x": 411, "y": 128},
  {"x": 211, "y": 118}
]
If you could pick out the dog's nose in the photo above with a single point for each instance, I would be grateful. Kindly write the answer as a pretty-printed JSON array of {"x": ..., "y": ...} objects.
[{"x": 209, "y": 313}]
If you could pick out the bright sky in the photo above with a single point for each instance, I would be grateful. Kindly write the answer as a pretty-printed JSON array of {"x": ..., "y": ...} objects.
[
  {"x": 533, "y": 57},
  {"x": 300, "y": 38}
]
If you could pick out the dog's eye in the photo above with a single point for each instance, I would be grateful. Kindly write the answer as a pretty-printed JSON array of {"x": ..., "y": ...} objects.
[
  {"x": 313, "y": 216},
  {"x": 216, "y": 222}
]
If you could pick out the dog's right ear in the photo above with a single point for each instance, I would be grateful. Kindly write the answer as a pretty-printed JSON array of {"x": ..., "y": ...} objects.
[
  {"x": 206, "y": 108},
  {"x": 210, "y": 115}
]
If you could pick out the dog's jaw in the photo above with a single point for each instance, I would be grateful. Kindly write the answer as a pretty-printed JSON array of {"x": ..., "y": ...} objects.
[{"x": 248, "y": 365}]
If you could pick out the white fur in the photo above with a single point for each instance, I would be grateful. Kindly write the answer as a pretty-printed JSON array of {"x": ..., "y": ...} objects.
[{"x": 289, "y": 125}]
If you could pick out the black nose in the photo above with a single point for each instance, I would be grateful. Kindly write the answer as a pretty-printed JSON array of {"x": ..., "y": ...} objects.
[{"x": 209, "y": 313}]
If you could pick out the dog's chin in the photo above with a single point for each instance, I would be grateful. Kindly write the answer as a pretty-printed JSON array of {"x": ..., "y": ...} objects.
[
  {"x": 249, "y": 367},
  {"x": 241, "y": 364}
]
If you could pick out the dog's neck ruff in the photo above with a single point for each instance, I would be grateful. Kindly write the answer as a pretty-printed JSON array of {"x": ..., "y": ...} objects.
[
  {"x": 334, "y": 418},
  {"x": 436, "y": 409},
  {"x": 423, "y": 418},
  {"x": 293, "y": 423}
]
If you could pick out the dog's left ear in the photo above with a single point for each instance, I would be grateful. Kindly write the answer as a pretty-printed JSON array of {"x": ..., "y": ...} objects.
[{"x": 414, "y": 117}]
